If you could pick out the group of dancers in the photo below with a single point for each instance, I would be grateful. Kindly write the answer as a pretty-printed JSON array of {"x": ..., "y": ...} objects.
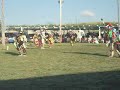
[{"x": 39, "y": 40}]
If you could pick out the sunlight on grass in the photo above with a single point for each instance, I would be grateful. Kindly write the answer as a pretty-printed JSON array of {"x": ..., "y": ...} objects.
[{"x": 58, "y": 60}]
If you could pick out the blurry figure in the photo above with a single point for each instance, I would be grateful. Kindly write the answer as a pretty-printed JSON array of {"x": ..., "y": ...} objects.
[
  {"x": 72, "y": 37},
  {"x": 111, "y": 42},
  {"x": 117, "y": 43},
  {"x": 37, "y": 40},
  {"x": 95, "y": 40},
  {"x": 89, "y": 39},
  {"x": 114, "y": 42},
  {"x": 43, "y": 38},
  {"x": 80, "y": 34},
  {"x": 50, "y": 40},
  {"x": 20, "y": 43}
]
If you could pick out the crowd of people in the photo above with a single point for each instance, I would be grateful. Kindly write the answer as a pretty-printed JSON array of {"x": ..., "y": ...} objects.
[{"x": 110, "y": 36}]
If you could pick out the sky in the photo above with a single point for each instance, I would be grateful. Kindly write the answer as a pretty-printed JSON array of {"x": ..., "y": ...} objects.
[{"x": 19, "y": 12}]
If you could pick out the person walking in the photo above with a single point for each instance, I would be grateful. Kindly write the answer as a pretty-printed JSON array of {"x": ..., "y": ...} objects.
[
  {"x": 114, "y": 42},
  {"x": 43, "y": 39},
  {"x": 20, "y": 44}
]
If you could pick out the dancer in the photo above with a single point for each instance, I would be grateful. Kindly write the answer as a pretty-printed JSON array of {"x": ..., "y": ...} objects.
[
  {"x": 43, "y": 38},
  {"x": 20, "y": 44},
  {"x": 37, "y": 40},
  {"x": 72, "y": 37},
  {"x": 50, "y": 40},
  {"x": 114, "y": 42}
]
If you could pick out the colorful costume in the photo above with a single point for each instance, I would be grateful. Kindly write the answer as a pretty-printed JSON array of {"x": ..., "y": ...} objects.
[
  {"x": 113, "y": 42},
  {"x": 20, "y": 44},
  {"x": 50, "y": 40},
  {"x": 72, "y": 37}
]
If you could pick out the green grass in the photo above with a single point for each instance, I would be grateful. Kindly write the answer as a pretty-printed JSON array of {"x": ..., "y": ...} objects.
[{"x": 79, "y": 67}]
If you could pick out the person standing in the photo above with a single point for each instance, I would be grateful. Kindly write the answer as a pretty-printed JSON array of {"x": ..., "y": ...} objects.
[
  {"x": 80, "y": 35},
  {"x": 72, "y": 37},
  {"x": 114, "y": 42},
  {"x": 43, "y": 39},
  {"x": 111, "y": 41},
  {"x": 117, "y": 43},
  {"x": 35, "y": 40},
  {"x": 20, "y": 44}
]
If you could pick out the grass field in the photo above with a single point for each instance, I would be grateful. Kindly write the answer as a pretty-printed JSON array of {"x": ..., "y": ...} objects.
[{"x": 63, "y": 67}]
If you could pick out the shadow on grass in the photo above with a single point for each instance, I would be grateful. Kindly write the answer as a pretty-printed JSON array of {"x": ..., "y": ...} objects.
[
  {"x": 84, "y": 81},
  {"x": 12, "y": 53},
  {"x": 87, "y": 53}
]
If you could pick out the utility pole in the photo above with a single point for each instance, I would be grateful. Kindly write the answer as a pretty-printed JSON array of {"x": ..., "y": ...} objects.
[
  {"x": 118, "y": 14},
  {"x": 3, "y": 23},
  {"x": 60, "y": 2}
]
